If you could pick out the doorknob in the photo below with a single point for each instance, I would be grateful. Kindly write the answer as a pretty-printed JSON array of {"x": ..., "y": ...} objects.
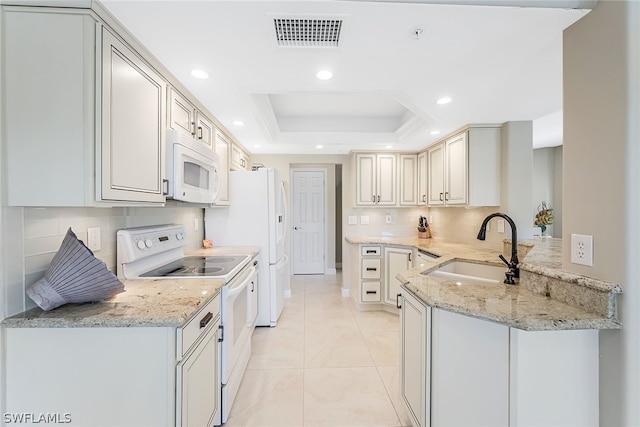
[{"x": 297, "y": 228}]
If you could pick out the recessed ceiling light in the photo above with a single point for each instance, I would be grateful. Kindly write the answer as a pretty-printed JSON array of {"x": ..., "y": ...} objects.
[
  {"x": 238, "y": 122},
  {"x": 435, "y": 132},
  {"x": 318, "y": 147},
  {"x": 199, "y": 74},
  {"x": 389, "y": 147},
  {"x": 256, "y": 145},
  {"x": 324, "y": 74},
  {"x": 444, "y": 100}
]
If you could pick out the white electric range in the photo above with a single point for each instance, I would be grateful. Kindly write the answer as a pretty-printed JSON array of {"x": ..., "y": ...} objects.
[{"x": 157, "y": 252}]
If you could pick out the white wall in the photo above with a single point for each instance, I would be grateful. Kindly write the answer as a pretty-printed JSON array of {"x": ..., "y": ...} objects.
[{"x": 601, "y": 194}]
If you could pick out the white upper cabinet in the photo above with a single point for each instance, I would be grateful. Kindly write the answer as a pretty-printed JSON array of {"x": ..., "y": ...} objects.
[
  {"x": 423, "y": 179},
  {"x": 185, "y": 117},
  {"x": 375, "y": 179},
  {"x": 132, "y": 125},
  {"x": 85, "y": 125},
  {"x": 465, "y": 169},
  {"x": 240, "y": 159},
  {"x": 408, "y": 180},
  {"x": 223, "y": 147}
]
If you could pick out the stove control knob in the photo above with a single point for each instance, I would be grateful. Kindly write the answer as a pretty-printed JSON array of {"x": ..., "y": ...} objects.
[
  {"x": 148, "y": 243},
  {"x": 141, "y": 244},
  {"x": 179, "y": 236}
]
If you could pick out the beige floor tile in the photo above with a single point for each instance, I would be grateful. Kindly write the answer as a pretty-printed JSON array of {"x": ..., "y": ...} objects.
[
  {"x": 330, "y": 321},
  {"x": 384, "y": 347},
  {"x": 377, "y": 321},
  {"x": 391, "y": 379},
  {"x": 335, "y": 350},
  {"x": 276, "y": 348},
  {"x": 269, "y": 397},
  {"x": 327, "y": 302},
  {"x": 292, "y": 319},
  {"x": 346, "y": 397}
]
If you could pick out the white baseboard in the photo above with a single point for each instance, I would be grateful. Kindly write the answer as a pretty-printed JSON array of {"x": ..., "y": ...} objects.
[
  {"x": 287, "y": 293},
  {"x": 330, "y": 271},
  {"x": 345, "y": 293}
]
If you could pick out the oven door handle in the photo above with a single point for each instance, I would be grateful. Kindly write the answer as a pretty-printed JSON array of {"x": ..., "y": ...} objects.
[{"x": 241, "y": 284}]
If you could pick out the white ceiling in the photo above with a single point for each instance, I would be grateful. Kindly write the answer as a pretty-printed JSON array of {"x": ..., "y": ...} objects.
[{"x": 498, "y": 64}]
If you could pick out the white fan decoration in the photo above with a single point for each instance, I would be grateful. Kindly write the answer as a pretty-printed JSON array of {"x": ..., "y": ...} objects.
[{"x": 74, "y": 276}]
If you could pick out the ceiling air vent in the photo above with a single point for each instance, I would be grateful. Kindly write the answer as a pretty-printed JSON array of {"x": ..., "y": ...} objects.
[{"x": 303, "y": 32}]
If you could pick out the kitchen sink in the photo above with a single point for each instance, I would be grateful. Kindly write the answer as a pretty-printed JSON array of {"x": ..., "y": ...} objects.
[{"x": 470, "y": 273}]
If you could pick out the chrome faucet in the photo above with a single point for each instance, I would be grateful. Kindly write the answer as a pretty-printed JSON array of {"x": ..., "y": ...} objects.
[{"x": 513, "y": 271}]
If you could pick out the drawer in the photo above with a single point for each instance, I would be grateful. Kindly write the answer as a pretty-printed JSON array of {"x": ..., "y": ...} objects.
[
  {"x": 370, "y": 250},
  {"x": 194, "y": 329},
  {"x": 370, "y": 291},
  {"x": 370, "y": 268}
]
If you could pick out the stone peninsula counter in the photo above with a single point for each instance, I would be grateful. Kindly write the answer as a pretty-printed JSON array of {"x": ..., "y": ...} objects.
[
  {"x": 544, "y": 299},
  {"x": 144, "y": 303}
]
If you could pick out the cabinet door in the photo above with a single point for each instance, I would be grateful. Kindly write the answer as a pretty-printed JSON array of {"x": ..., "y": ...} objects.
[
  {"x": 222, "y": 150},
  {"x": 408, "y": 180},
  {"x": 239, "y": 159},
  {"x": 396, "y": 260},
  {"x": 386, "y": 179},
  {"x": 366, "y": 192},
  {"x": 198, "y": 384},
  {"x": 422, "y": 178},
  {"x": 470, "y": 370},
  {"x": 456, "y": 170},
  {"x": 415, "y": 360},
  {"x": 204, "y": 130},
  {"x": 435, "y": 167},
  {"x": 181, "y": 113},
  {"x": 132, "y": 145}
]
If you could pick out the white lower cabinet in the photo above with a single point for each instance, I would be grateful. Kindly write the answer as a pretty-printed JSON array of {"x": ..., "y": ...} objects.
[
  {"x": 116, "y": 376},
  {"x": 415, "y": 353},
  {"x": 458, "y": 370},
  {"x": 396, "y": 260}
]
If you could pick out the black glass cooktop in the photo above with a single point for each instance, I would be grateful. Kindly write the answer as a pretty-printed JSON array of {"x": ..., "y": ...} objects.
[{"x": 211, "y": 266}]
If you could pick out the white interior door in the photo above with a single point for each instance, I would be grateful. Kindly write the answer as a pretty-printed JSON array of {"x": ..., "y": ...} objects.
[{"x": 308, "y": 221}]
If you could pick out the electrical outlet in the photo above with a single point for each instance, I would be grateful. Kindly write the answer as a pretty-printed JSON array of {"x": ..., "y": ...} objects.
[
  {"x": 582, "y": 249},
  {"x": 364, "y": 219},
  {"x": 353, "y": 219},
  {"x": 93, "y": 237},
  {"x": 388, "y": 219}
]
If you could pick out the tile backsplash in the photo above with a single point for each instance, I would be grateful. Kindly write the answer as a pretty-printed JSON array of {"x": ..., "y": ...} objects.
[
  {"x": 36, "y": 235},
  {"x": 452, "y": 223}
]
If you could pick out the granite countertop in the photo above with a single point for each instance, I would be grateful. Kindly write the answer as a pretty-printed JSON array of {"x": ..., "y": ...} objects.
[
  {"x": 144, "y": 303},
  {"x": 527, "y": 305}
]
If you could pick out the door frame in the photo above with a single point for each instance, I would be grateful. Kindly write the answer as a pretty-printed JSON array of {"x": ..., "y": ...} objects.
[{"x": 292, "y": 216}]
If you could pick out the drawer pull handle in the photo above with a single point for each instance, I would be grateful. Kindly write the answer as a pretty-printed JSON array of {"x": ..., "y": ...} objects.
[
  {"x": 372, "y": 251},
  {"x": 398, "y": 296},
  {"x": 371, "y": 292},
  {"x": 372, "y": 269},
  {"x": 221, "y": 327},
  {"x": 205, "y": 320}
]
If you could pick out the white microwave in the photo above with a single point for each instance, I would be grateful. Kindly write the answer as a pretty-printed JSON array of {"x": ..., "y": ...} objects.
[{"x": 192, "y": 169}]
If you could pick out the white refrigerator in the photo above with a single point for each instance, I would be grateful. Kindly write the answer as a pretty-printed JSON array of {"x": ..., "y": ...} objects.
[{"x": 257, "y": 216}]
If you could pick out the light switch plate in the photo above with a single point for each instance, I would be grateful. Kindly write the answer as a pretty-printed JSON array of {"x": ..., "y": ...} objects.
[
  {"x": 353, "y": 219},
  {"x": 582, "y": 249},
  {"x": 364, "y": 219},
  {"x": 93, "y": 237},
  {"x": 500, "y": 225}
]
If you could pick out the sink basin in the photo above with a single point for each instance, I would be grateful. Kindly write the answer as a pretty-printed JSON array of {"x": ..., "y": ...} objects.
[{"x": 470, "y": 273}]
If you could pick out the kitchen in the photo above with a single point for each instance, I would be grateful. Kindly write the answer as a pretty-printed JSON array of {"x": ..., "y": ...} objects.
[{"x": 29, "y": 235}]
